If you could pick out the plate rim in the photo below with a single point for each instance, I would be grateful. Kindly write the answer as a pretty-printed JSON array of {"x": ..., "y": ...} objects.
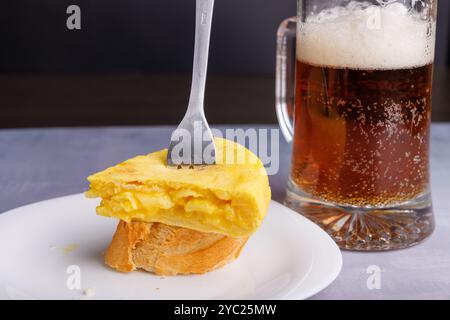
[{"x": 332, "y": 271}]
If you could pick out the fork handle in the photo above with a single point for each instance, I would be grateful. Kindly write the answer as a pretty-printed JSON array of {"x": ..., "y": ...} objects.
[{"x": 203, "y": 23}]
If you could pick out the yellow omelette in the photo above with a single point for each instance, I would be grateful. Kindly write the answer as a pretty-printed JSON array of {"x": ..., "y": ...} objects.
[{"x": 229, "y": 198}]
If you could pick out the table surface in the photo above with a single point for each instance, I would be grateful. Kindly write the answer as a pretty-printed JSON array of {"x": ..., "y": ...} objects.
[{"x": 39, "y": 164}]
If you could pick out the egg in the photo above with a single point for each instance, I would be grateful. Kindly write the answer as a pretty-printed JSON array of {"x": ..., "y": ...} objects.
[{"x": 229, "y": 198}]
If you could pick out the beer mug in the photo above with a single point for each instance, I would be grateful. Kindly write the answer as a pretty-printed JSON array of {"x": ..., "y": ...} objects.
[{"x": 354, "y": 82}]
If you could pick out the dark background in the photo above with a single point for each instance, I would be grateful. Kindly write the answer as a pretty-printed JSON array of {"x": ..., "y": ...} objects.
[{"x": 131, "y": 62}]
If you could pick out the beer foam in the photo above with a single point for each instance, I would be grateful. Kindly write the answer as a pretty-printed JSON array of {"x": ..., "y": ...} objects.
[{"x": 365, "y": 36}]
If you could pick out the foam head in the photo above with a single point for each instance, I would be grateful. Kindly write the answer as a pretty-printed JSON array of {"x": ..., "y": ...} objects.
[{"x": 364, "y": 36}]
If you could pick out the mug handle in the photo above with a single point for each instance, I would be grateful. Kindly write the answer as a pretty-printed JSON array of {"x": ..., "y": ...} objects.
[{"x": 285, "y": 76}]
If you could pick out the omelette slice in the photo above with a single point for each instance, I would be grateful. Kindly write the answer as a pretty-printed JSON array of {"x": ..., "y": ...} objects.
[{"x": 230, "y": 198}]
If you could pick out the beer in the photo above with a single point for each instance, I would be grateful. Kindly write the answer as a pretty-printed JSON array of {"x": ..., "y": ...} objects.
[
  {"x": 363, "y": 106},
  {"x": 361, "y": 122},
  {"x": 362, "y": 136}
]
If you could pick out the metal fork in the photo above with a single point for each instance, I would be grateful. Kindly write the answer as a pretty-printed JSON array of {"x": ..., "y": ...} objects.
[{"x": 192, "y": 143}]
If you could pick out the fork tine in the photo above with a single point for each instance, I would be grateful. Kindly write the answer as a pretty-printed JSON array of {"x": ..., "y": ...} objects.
[{"x": 192, "y": 143}]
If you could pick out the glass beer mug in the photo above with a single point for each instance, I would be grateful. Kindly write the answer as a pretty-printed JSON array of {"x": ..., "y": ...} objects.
[{"x": 354, "y": 84}]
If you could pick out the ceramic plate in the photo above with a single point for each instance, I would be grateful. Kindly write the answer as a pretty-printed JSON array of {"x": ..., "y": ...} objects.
[{"x": 53, "y": 250}]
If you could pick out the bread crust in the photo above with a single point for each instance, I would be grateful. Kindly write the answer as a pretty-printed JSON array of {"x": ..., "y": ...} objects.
[{"x": 168, "y": 250}]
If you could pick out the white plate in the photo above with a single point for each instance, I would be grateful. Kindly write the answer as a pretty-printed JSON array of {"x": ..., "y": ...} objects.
[{"x": 44, "y": 245}]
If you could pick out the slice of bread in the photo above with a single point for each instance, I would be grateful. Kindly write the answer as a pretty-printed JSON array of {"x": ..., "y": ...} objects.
[{"x": 169, "y": 250}]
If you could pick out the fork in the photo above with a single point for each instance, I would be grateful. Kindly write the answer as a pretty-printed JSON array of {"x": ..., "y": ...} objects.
[{"x": 192, "y": 143}]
